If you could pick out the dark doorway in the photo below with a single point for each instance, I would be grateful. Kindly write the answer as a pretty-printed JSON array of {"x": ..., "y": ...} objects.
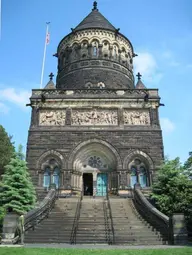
[{"x": 88, "y": 184}]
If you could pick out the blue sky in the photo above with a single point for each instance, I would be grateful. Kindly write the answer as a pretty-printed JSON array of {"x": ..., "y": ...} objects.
[{"x": 161, "y": 34}]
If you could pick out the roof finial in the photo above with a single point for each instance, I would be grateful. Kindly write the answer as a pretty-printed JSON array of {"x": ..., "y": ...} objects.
[
  {"x": 139, "y": 76},
  {"x": 95, "y": 6},
  {"x": 51, "y": 76}
]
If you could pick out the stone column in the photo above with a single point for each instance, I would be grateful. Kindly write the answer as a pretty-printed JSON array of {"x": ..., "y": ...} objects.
[
  {"x": 179, "y": 229},
  {"x": 89, "y": 47},
  {"x": 94, "y": 180},
  {"x": 154, "y": 117},
  {"x": 100, "y": 55},
  {"x": 120, "y": 117},
  {"x": 110, "y": 52},
  {"x": 68, "y": 117}
]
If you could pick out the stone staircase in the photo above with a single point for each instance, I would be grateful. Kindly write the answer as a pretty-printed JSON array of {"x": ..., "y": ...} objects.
[
  {"x": 58, "y": 226},
  {"x": 93, "y": 225},
  {"x": 129, "y": 227}
]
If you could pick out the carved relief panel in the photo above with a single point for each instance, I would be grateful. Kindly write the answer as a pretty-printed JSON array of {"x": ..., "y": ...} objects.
[
  {"x": 52, "y": 118},
  {"x": 136, "y": 117},
  {"x": 94, "y": 117}
]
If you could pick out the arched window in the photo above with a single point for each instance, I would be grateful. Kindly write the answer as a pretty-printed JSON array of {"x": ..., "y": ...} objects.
[
  {"x": 47, "y": 177},
  {"x": 142, "y": 177},
  {"x": 139, "y": 173},
  {"x": 56, "y": 174},
  {"x": 95, "y": 51},
  {"x": 133, "y": 176}
]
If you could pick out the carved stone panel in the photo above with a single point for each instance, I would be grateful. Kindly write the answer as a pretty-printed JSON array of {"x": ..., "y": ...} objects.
[
  {"x": 94, "y": 117},
  {"x": 136, "y": 117},
  {"x": 52, "y": 118}
]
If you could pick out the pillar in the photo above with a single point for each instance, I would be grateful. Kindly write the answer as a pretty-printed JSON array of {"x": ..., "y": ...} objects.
[{"x": 179, "y": 229}]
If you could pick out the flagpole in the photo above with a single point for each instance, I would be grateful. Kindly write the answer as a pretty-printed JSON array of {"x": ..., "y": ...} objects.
[{"x": 44, "y": 54}]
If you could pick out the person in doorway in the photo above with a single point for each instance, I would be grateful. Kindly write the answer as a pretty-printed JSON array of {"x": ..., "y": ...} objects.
[{"x": 86, "y": 190}]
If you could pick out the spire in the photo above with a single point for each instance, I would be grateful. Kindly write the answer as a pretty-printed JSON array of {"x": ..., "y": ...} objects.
[
  {"x": 95, "y": 6},
  {"x": 50, "y": 84},
  {"x": 139, "y": 84},
  {"x": 94, "y": 20}
]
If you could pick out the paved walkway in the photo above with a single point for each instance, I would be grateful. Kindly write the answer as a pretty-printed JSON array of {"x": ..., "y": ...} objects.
[{"x": 92, "y": 246}]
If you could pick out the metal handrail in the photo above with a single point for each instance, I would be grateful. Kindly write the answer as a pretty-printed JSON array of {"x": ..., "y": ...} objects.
[
  {"x": 111, "y": 218},
  {"x": 107, "y": 229},
  {"x": 33, "y": 217},
  {"x": 76, "y": 220}
]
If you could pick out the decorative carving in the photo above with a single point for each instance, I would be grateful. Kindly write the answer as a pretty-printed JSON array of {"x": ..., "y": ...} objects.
[
  {"x": 95, "y": 117},
  {"x": 131, "y": 92},
  {"x": 52, "y": 118},
  {"x": 136, "y": 117},
  {"x": 99, "y": 85}
]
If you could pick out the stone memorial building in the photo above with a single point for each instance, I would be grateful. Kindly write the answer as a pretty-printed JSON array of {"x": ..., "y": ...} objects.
[{"x": 95, "y": 128}]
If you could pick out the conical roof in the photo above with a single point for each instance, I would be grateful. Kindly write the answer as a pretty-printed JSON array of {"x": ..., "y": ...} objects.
[
  {"x": 50, "y": 85},
  {"x": 95, "y": 20},
  {"x": 140, "y": 85}
]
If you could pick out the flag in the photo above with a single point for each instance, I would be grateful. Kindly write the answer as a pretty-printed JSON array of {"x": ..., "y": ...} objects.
[{"x": 47, "y": 38}]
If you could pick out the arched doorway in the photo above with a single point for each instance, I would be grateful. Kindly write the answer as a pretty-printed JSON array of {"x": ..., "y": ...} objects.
[
  {"x": 87, "y": 184},
  {"x": 97, "y": 161}
]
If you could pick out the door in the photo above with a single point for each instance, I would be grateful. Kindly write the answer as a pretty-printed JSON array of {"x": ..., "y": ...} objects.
[
  {"x": 101, "y": 184},
  {"x": 88, "y": 184}
]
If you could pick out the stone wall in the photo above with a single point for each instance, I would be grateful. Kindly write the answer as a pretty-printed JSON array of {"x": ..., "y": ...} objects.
[{"x": 64, "y": 142}]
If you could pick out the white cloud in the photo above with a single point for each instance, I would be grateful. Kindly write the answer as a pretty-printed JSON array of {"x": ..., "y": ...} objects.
[
  {"x": 3, "y": 108},
  {"x": 145, "y": 63},
  {"x": 167, "y": 125},
  {"x": 169, "y": 56},
  {"x": 19, "y": 97}
]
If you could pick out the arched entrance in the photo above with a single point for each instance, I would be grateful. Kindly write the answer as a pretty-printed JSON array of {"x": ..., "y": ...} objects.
[
  {"x": 96, "y": 160},
  {"x": 87, "y": 184}
]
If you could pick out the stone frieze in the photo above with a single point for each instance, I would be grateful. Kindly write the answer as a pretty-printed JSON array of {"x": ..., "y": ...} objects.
[
  {"x": 52, "y": 118},
  {"x": 136, "y": 117},
  {"x": 94, "y": 117}
]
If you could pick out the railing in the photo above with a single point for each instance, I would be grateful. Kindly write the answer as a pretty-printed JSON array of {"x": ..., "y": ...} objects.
[
  {"x": 154, "y": 217},
  {"x": 107, "y": 228},
  {"x": 111, "y": 218},
  {"x": 33, "y": 217},
  {"x": 76, "y": 220}
]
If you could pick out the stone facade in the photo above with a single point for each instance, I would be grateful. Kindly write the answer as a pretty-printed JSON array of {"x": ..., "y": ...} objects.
[{"x": 95, "y": 120}]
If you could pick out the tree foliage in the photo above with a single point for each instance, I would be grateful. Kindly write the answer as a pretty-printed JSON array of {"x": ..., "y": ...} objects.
[
  {"x": 6, "y": 149},
  {"x": 187, "y": 168},
  {"x": 173, "y": 190},
  {"x": 17, "y": 188}
]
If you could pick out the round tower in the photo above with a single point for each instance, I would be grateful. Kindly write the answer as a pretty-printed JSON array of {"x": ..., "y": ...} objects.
[{"x": 95, "y": 55}]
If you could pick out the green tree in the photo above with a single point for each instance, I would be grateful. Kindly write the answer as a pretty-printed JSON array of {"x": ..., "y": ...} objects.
[
  {"x": 187, "y": 168},
  {"x": 17, "y": 189},
  {"x": 173, "y": 190},
  {"x": 188, "y": 162},
  {"x": 6, "y": 149}
]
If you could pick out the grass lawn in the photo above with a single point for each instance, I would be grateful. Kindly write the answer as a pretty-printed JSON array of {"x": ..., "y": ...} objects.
[{"x": 53, "y": 251}]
